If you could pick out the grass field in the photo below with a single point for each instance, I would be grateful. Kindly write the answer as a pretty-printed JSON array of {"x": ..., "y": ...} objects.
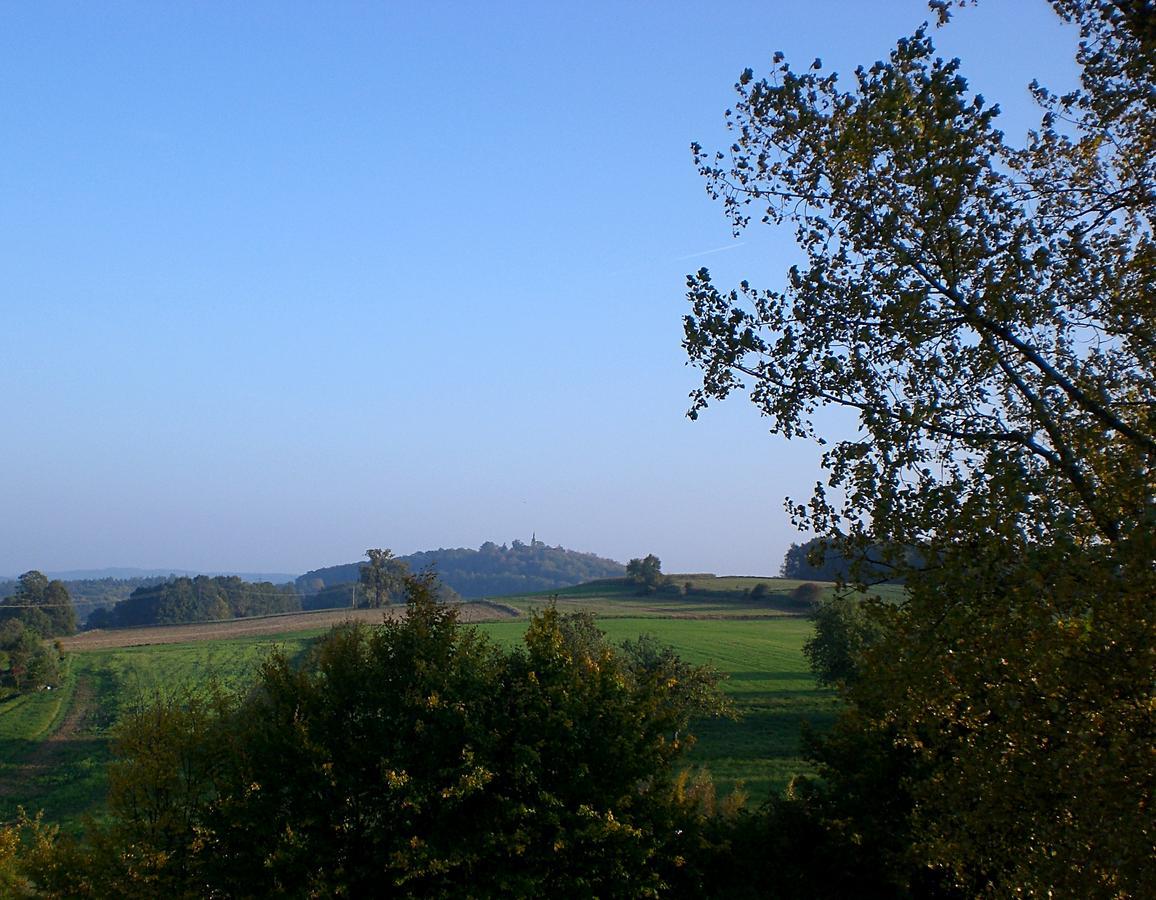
[
  {"x": 54, "y": 745},
  {"x": 706, "y": 597},
  {"x": 768, "y": 681}
]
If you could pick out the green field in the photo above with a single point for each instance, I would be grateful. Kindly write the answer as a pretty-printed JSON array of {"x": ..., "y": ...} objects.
[
  {"x": 768, "y": 680},
  {"x": 706, "y": 596},
  {"x": 54, "y": 745},
  {"x": 63, "y": 773}
]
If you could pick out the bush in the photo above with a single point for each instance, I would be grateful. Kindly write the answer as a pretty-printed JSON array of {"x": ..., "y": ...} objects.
[{"x": 807, "y": 595}]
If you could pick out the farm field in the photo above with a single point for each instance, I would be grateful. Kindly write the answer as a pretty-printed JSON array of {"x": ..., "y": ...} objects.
[
  {"x": 707, "y": 596},
  {"x": 54, "y": 745},
  {"x": 767, "y": 679},
  {"x": 54, "y": 748}
]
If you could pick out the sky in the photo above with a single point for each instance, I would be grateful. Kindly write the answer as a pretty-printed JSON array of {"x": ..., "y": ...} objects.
[{"x": 281, "y": 281}]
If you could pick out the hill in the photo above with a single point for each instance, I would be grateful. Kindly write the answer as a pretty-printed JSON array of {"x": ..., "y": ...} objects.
[
  {"x": 133, "y": 573},
  {"x": 491, "y": 570}
]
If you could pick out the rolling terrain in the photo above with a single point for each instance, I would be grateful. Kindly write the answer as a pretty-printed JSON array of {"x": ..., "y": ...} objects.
[{"x": 54, "y": 744}]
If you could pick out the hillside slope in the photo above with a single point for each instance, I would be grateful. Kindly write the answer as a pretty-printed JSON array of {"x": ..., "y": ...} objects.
[{"x": 491, "y": 570}]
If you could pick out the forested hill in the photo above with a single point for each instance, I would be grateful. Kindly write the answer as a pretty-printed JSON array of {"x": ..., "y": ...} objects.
[{"x": 491, "y": 570}]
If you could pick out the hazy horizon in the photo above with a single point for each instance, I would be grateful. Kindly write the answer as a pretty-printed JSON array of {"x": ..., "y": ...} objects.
[{"x": 285, "y": 282}]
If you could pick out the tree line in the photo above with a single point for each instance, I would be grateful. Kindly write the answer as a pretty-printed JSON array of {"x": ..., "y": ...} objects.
[{"x": 200, "y": 599}]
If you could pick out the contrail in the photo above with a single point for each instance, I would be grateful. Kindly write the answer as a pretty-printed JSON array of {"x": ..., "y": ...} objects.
[{"x": 709, "y": 252}]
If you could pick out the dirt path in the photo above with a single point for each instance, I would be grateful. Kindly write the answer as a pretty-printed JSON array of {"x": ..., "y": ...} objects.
[
  {"x": 46, "y": 753},
  {"x": 256, "y": 626}
]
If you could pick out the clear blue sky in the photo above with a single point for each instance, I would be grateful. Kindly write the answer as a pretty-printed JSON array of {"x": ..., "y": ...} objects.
[{"x": 283, "y": 281}]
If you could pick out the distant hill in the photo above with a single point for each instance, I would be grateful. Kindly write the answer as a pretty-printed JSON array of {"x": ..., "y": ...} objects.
[
  {"x": 131, "y": 573},
  {"x": 491, "y": 570}
]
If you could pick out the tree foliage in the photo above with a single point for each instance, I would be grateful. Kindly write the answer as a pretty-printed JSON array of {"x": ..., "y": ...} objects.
[
  {"x": 412, "y": 759},
  {"x": 986, "y": 310},
  {"x": 844, "y": 629},
  {"x": 200, "y": 599},
  {"x": 381, "y": 578},
  {"x": 42, "y": 604},
  {"x": 28, "y": 662},
  {"x": 646, "y": 573},
  {"x": 821, "y": 559}
]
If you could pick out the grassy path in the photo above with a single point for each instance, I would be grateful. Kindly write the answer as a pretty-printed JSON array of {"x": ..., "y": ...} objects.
[{"x": 20, "y": 775}]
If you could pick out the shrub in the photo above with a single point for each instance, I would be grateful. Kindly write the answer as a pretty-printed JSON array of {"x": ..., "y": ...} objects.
[{"x": 807, "y": 594}]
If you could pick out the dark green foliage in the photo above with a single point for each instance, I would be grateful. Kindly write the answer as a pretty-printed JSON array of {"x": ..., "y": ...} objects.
[
  {"x": 343, "y": 596},
  {"x": 986, "y": 311},
  {"x": 493, "y": 570},
  {"x": 337, "y": 596},
  {"x": 812, "y": 560},
  {"x": 381, "y": 578},
  {"x": 835, "y": 559},
  {"x": 199, "y": 599},
  {"x": 646, "y": 573},
  {"x": 43, "y": 605},
  {"x": 90, "y": 595},
  {"x": 845, "y": 626},
  {"x": 806, "y": 595},
  {"x": 412, "y": 759},
  {"x": 27, "y": 661}
]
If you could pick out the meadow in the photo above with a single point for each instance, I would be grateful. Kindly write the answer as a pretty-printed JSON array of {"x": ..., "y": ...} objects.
[{"x": 54, "y": 745}]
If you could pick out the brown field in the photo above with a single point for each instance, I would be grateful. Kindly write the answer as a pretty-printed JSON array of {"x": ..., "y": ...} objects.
[{"x": 256, "y": 626}]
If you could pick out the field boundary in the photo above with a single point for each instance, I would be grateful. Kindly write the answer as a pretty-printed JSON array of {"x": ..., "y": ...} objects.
[{"x": 258, "y": 626}]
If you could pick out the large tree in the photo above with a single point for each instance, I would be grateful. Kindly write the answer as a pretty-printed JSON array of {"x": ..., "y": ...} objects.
[
  {"x": 646, "y": 572},
  {"x": 380, "y": 578},
  {"x": 987, "y": 312},
  {"x": 43, "y": 605}
]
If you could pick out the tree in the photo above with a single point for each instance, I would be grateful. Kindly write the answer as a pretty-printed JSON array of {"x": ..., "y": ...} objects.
[
  {"x": 416, "y": 758},
  {"x": 43, "y": 604},
  {"x": 986, "y": 310},
  {"x": 27, "y": 661},
  {"x": 382, "y": 577},
  {"x": 646, "y": 573},
  {"x": 844, "y": 629}
]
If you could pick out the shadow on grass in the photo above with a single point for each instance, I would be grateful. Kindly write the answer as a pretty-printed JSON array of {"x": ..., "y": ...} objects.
[
  {"x": 65, "y": 782},
  {"x": 768, "y": 676}
]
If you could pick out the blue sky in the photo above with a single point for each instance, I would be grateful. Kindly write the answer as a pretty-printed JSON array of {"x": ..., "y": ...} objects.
[{"x": 283, "y": 281}]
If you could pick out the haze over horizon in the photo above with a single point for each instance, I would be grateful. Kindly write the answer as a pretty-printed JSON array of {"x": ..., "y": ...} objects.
[{"x": 286, "y": 282}]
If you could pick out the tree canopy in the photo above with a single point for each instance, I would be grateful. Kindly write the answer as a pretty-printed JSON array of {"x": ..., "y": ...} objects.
[
  {"x": 200, "y": 599},
  {"x": 382, "y": 577},
  {"x": 987, "y": 311},
  {"x": 43, "y": 605},
  {"x": 646, "y": 573}
]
